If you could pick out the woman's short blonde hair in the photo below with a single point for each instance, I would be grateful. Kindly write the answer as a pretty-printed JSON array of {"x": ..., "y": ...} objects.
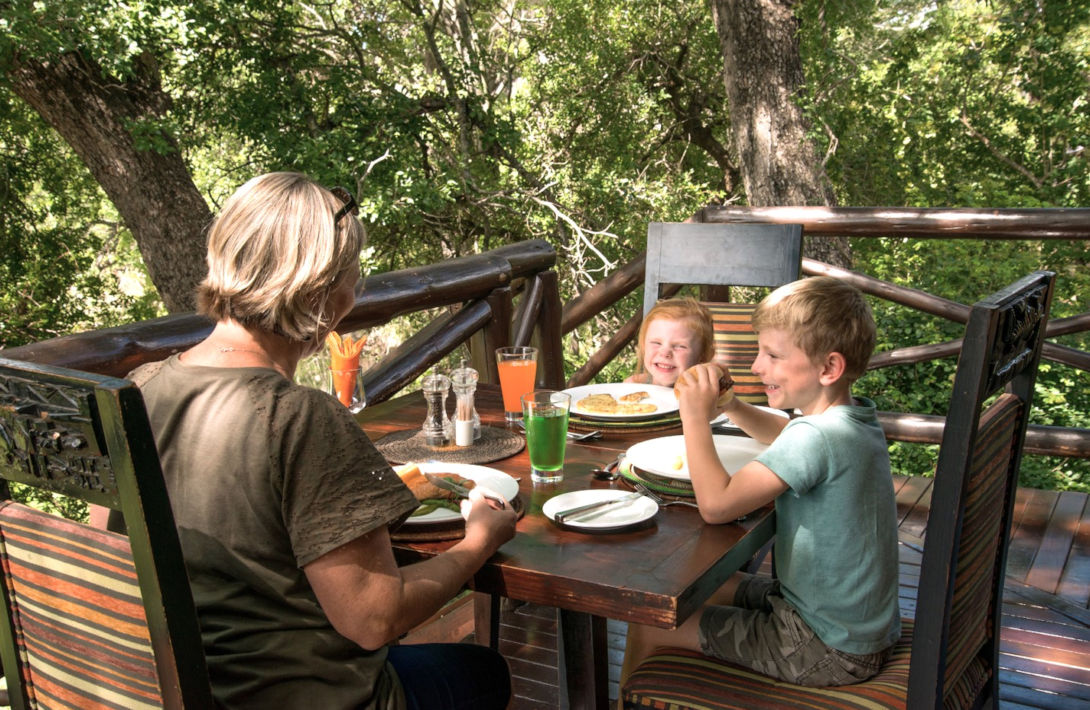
[
  {"x": 822, "y": 315},
  {"x": 695, "y": 315},
  {"x": 274, "y": 255}
]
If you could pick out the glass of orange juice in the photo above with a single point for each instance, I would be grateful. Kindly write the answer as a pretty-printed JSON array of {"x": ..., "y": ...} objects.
[{"x": 518, "y": 371}]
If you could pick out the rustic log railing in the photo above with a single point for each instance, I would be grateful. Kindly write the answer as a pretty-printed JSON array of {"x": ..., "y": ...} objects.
[
  {"x": 1008, "y": 224},
  {"x": 477, "y": 291}
]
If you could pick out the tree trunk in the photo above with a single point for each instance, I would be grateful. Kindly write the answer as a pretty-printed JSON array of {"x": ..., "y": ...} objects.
[
  {"x": 142, "y": 173},
  {"x": 763, "y": 74}
]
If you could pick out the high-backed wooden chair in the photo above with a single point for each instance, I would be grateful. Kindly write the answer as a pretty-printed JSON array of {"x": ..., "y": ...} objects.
[
  {"x": 91, "y": 618},
  {"x": 947, "y": 657},
  {"x": 754, "y": 255}
]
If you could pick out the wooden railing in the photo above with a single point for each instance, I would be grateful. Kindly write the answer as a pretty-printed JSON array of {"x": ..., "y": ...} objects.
[
  {"x": 1069, "y": 224},
  {"x": 477, "y": 292}
]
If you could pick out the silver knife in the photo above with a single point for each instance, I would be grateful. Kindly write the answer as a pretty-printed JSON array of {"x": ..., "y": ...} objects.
[
  {"x": 449, "y": 485},
  {"x": 597, "y": 508}
]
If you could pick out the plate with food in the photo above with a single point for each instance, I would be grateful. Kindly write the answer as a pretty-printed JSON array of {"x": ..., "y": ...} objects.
[
  {"x": 724, "y": 422},
  {"x": 622, "y": 401},
  {"x": 438, "y": 505},
  {"x": 665, "y": 456}
]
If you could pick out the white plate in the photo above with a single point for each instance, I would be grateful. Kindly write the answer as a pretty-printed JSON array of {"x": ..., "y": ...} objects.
[
  {"x": 724, "y": 421},
  {"x": 619, "y": 518},
  {"x": 663, "y": 455},
  {"x": 662, "y": 397},
  {"x": 496, "y": 481}
]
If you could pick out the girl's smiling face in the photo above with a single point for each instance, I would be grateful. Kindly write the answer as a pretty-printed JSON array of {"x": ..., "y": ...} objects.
[{"x": 669, "y": 348}]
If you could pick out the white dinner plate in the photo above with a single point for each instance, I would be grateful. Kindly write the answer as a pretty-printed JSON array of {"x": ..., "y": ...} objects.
[
  {"x": 496, "y": 481},
  {"x": 724, "y": 422},
  {"x": 662, "y": 397},
  {"x": 622, "y": 517},
  {"x": 665, "y": 456}
]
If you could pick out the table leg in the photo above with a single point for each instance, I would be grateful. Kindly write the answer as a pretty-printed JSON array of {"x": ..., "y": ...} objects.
[
  {"x": 583, "y": 661},
  {"x": 486, "y": 619}
]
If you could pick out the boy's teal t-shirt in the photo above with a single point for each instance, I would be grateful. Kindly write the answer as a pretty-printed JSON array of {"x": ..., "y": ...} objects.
[{"x": 836, "y": 527}]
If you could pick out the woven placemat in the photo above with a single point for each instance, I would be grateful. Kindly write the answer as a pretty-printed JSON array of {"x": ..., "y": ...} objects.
[
  {"x": 454, "y": 529},
  {"x": 407, "y": 446},
  {"x": 669, "y": 488},
  {"x": 623, "y": 427}
]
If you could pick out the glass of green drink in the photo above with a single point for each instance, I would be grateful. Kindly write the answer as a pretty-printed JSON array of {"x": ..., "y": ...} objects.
[{"x": 545, "y": 414}]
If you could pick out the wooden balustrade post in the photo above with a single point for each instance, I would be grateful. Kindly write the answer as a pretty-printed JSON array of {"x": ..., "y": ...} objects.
[
  {"x": 552, "y": 346},
  {"x": 498, "y": 332}
]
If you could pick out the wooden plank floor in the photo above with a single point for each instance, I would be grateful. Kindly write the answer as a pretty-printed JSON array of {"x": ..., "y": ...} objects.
[{"x": 1044, "y": 645}]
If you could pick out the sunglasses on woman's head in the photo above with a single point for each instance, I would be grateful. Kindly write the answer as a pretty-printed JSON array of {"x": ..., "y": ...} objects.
[{"x": 349, "y": 201}]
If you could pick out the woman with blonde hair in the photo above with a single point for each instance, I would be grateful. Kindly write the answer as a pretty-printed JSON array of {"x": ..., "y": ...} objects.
[{"x": 283, "y": 505}]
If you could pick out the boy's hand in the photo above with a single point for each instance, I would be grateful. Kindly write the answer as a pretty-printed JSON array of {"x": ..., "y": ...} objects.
[{"x": 702, "y": 390}]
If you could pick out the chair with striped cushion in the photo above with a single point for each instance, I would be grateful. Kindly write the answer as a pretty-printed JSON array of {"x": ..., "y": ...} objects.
[
  {"x": 706, "y": 254},
  {"x": 92, "y": 619},
  {"x": 947, "y": 657}
]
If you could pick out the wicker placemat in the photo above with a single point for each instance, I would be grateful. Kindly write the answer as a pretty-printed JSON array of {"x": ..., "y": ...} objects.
[
  {"x": 494, "y": 444},
  {"x": 622, "y": 427},
  {"x": 670, "y": 488},
  {"x": 454, "y": 529}
]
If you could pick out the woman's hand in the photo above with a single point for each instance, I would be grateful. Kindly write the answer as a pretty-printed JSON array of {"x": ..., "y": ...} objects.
[{"x": 486, "y": 523}]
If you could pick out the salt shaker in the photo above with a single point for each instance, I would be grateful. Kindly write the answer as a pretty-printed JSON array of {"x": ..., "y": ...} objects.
[
  {"x": 467, "y": 423},
  {"x": 437, "y": 426}
]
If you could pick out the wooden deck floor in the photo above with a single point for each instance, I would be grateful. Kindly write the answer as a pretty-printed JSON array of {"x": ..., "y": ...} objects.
[{"x": 1045, "y": 642}]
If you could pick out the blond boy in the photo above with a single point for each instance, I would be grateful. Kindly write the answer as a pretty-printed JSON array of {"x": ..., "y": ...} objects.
[{"x": 831, "y": 617}]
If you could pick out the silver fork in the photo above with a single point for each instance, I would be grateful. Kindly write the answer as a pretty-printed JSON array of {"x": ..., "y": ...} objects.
[
  {"x": 658, "y": 499},
  {"x": 573, "y": 435}
]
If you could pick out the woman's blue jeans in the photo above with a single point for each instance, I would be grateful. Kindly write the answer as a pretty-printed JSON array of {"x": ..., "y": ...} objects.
[{"x": 451, "y": 676}]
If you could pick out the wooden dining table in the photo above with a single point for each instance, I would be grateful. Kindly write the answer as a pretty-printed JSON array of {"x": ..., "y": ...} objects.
[{"x": 656, "y": 575}]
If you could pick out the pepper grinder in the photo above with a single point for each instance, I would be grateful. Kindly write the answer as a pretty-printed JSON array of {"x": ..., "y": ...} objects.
[
  {"x": 437, "y": 426},
  {"x": 467, "y": 423}
]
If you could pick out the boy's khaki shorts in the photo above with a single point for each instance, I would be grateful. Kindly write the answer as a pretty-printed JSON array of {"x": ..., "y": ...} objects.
[{"x": 763, "y": 632}]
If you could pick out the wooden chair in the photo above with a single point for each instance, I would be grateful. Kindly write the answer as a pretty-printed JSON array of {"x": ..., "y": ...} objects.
[
  {"x": 948, "y": 657},
  {"x": 91, "y": 618},
  {"x": 755, "y": 255}
]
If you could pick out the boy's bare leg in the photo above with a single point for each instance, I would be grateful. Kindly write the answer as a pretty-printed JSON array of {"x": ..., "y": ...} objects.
[{"x": 642, "y": 640}]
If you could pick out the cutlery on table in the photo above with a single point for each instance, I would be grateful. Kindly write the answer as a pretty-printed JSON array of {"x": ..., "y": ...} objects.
[
  {"x": 595, "y": 509},
  {"x": 449, "y": 485},
  {"x": 574, "y": 435},
  {"x": 640, "y": 488}
]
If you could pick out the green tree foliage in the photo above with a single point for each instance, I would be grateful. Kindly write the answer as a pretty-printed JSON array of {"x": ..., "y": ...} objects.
[
  {"x": 463, "y": 126},
  {"x": 960, "y": 104}
]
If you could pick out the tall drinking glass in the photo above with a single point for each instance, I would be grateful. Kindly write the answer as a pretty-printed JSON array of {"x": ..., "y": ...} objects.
[
  {"x": 545, "y": 414},
  {"x": 517, "y": 365}
]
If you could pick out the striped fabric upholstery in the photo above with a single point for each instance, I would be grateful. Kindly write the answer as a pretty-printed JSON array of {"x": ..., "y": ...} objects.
[
  {"x": 80, "y": 629},
  {"x": 736, "y": 347},
  {"x": 673, "y": 679},
  {"x": 978, "y": 549}
]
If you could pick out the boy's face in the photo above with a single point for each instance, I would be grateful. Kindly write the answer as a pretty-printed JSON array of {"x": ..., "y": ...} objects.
[
  {"x": 791, "y": 379},
  {"x": 669, "y": 348}
]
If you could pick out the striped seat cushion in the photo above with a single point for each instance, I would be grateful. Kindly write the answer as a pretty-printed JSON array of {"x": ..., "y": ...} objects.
[
  {"x": 673, "y": 679},
  {"x": 81, "y": 633},
  {"x": 736, "y": 347}
]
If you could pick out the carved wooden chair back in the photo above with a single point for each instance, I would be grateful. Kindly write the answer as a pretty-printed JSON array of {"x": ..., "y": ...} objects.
[
  {"x": 91, "y": 618},
  {"x": 705, "y": 254},
  {"x": 948, "y": 656}
]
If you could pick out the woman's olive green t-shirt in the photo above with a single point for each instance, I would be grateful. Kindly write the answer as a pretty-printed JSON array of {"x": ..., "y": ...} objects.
[{"x": 264, "y": 477}]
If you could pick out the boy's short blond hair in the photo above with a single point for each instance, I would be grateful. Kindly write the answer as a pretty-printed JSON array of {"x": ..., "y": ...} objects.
[
  {"x": 822, "y": 315},
  {"x": 687, "y": 309},
  {"x": 275, "y": 254}
]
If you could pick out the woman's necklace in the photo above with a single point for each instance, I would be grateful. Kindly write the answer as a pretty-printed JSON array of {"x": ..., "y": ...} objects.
[{"x": 243, "y": 350}]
